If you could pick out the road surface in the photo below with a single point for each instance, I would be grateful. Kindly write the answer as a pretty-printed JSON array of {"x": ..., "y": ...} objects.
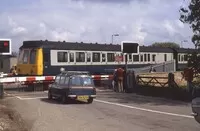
[{"x": 109, "y": 112}]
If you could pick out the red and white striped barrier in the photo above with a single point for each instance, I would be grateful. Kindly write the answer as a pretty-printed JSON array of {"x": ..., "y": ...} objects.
[{"x": 45, "y": 78}]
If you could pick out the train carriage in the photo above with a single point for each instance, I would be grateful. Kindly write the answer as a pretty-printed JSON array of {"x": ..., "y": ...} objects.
[{"x": 48, "y": 57}]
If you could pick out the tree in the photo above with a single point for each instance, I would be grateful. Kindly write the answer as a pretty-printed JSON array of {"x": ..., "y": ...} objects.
[
  {"x": 191, "y": 15},
  {"x": 165, "y": 44}
]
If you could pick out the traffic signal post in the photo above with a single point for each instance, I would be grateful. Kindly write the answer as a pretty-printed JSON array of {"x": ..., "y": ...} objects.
[
  {"x": 128, "y": 47},
  {"x": 5, "y": 49}
]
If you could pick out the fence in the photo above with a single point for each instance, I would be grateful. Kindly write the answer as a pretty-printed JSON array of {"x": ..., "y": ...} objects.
[{"x": 157, "y": 81}]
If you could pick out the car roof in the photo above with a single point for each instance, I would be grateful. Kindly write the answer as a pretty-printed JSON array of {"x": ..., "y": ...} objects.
[{"x": 75, "y": 73}]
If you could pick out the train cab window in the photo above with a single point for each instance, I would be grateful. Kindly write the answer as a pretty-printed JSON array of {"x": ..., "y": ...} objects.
[
  {"x": 110, "y": 57},
  {"x": 33, "y": 56},
  {"x": 145, "y": 57},
  {"x": 20, "y": 58},
  {"x": 88, "y": 57},
  {"x": 96, "y": 57},
  {"x": 62, "y": 57},
  {"x": 153, "y": 57},
  {"x": 149, "y": 59},
  {"x": 165, "y": 57},
  {"x": 71, "y": 57},
  {"x": 135, "y": 58},
  {"x": 25, "y": 56},
  {"x": 103, "y": 57},
  {"x": 80, "y": 56},
  {"x": 141, "y": 58}
]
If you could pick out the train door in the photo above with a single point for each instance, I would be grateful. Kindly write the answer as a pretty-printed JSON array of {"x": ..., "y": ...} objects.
[{"x": 46, "y": 61}]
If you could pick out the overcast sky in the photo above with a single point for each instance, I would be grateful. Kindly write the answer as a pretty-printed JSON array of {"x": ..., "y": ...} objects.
[{"x": 142, "y": 21}]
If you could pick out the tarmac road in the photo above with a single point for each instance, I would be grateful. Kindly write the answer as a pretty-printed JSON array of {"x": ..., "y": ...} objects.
[{"x": 110, "y": 112}]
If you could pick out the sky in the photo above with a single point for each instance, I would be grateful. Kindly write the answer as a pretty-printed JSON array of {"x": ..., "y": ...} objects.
[{"x": 142, "y": 21}]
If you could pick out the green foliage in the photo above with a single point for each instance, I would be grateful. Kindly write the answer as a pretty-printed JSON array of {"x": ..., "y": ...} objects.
[
  {"x": 166, "y": 44},
  {"x": 191, "y": 15}
]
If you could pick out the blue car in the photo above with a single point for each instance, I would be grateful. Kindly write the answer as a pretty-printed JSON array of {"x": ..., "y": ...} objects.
[{"x": 76, "y": 85}]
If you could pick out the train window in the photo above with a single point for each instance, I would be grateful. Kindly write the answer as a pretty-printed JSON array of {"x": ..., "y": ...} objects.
[
  {"x": 110, "y": 57},
  {"x": 185, "y": 57},
  {"x": 135, "y": 58},
  {"x": 145, "y": 57},
  {"x": 182, "y": 58},
  {"x": 80, "y": 56},
  {"x": 141, "y": 58},
  {"x": 103, "y": 58},
  {"x": 71, "y": 57},
  {"x": 165, "y": 57},
  {"x": 25, "y": 56},
  {"x": 96, "y": 57},
  {"x": 88, "y": 57},
  {"x": 148, "y": 57},
  {"x": 153, "y": 57},
  {"x": 33, "y": 56},
  {"x": 62, "y": 57}
]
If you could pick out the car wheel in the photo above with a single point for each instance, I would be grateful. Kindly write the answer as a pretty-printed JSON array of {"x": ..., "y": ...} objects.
[
  {"x": 49, "y": 95},
  {"x": 90, "y": 100}
]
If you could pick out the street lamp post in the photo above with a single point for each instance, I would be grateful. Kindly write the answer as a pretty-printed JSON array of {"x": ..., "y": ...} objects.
[{"x": 113, "y": 36}]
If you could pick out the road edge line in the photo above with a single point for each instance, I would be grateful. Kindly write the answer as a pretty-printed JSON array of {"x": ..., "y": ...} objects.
[{"x": 143, "y": 109}]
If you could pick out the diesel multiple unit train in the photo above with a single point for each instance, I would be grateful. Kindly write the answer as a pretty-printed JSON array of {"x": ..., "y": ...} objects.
[{"x": 48, "y": 57}]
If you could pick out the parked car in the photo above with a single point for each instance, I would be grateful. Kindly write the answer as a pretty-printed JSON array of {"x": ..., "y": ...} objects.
[{"x": 76, "y": 85}]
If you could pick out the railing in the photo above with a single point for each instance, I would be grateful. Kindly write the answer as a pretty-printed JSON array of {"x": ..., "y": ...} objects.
[{"x": 168, "y": 66}]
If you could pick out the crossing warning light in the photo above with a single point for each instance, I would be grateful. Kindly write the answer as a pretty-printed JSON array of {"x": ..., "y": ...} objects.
[{"x": 5, "y": 46}]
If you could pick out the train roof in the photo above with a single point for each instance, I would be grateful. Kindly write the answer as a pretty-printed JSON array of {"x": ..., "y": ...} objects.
[{"x": 96, "y": 47}]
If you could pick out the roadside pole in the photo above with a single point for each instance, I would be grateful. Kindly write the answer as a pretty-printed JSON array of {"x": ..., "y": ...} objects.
[
  {"x": 5, "y": 49},
  {"x": 129, "y": 48}
]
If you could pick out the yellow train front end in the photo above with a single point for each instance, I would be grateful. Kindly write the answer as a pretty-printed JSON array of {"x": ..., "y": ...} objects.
[{"x": 30, "y": 62}]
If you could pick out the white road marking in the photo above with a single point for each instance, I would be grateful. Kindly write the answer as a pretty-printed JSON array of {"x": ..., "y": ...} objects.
[
  {"x": 29, "y": 98},
  {"x": 24, "y": 98},
  {"x": 143, "y": 109}
]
